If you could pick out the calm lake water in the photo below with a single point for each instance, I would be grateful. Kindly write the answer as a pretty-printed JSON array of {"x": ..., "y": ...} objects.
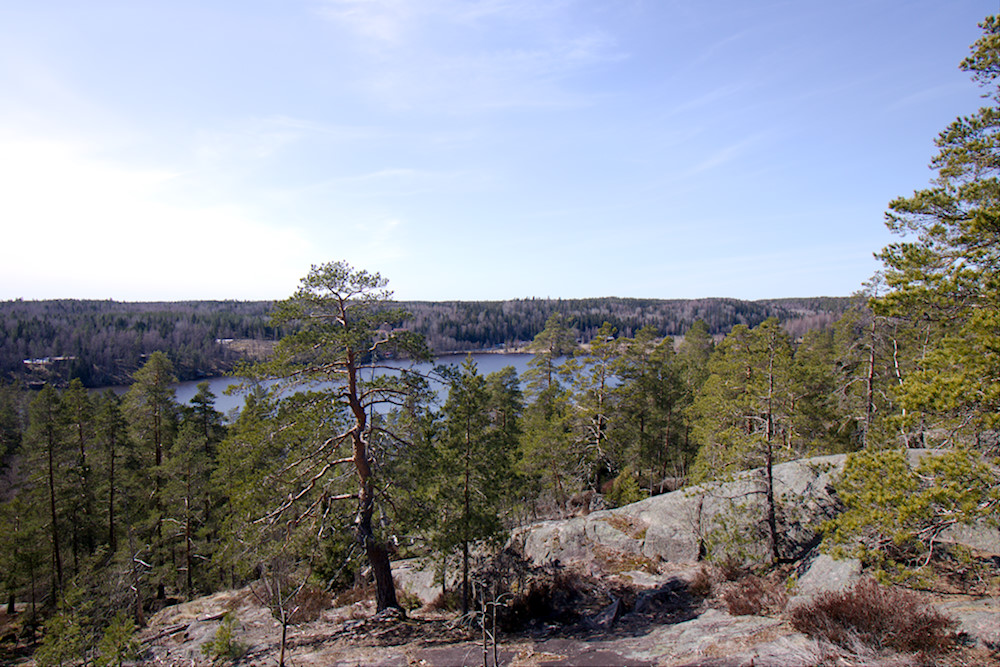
[{"x": 230, "y": 404}]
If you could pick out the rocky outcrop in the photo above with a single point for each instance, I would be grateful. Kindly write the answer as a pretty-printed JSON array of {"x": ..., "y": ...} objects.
[
  {"x": 652, "y": 547},
  {"x": 823, "y": 573},
  {"x": 983, "y": 539},
  {"x": 419, "y": 578},
  {"x": 978, "y": 620},
  {"x": 723, "y": 520},
  {"x": 685, "y": 525}
]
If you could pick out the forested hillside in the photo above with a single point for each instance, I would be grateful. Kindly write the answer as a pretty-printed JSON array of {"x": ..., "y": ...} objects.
[
  {"x": 103, "y": 342},
  {"x": 478, "y": 325}
]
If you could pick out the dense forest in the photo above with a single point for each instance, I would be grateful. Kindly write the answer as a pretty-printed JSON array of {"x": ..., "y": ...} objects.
[
  {"x": 113, "y": 506},
  {"x": 104, "y": 342}
]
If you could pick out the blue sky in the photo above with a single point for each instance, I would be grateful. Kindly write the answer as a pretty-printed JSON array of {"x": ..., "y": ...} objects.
[{"x": 476, "y": 149}]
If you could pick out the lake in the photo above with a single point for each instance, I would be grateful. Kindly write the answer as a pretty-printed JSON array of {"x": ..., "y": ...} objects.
[{"x": 230, "y": 404}]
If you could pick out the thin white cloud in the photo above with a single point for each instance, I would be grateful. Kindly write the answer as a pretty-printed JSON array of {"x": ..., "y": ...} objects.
[
  {"x": 100, "y": 229},
  {"x": 264, "y": 137},
  {"x": 391, "y": 22},
  {"x": 401, "y": 182},
  {"x": 726, "y": 154},
  {"x": 707, "y": 100},
  {"x": 383, "y": 20},
  {"x": 428, "y": 54}
]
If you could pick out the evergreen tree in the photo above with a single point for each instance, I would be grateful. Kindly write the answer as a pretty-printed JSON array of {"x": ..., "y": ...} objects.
[
  {"x": 475, "y": 463},
  {"x": 22, "y": 548},
  {"x": 945, "y": 271},
  {"x": 79, "y": 417},
  {"x": 11, "y": 422},
  {"x": 47, "y": 436},
  {"x": 201, "y": 416},
  {"x": 549, "y": 455},
  {"x": 895, "y": 513},
  {"x": 551, "y": 347},
  {"x": 594, "y": 376},
  {"x": 743, "y": 414},
  {"x": 187, "y": 474},
  {"x": 151, "y": 411},
  {"x": 344, "y": 326},
  {"x": 822, "y": 418},
  {"x": 203, "y": 413},
  {"x": 111, "y": 434},
  {"x": 651, "y": 399},
  {"x": 693, "y": 354}
]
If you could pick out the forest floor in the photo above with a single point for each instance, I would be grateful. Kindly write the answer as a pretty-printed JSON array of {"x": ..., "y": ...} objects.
[
  {"x": 658, "y": 622},
  {"x": 661, "y": 625},
  {"x": 674, "y": 628}
]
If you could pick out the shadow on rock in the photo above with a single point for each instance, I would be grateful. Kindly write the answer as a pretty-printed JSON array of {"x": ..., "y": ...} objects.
[{"x": 555, "y": 600}]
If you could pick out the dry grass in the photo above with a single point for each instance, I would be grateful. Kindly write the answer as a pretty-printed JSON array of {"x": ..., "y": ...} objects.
[
  {"x": 617, "y": 562},
  {"x": 628, "y": 525},
  {"x": 730, "y": 570}
]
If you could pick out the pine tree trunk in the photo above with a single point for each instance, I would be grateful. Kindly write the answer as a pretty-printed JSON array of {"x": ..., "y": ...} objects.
[
  {"x": 772, "y": 522},
  {"x": 378, "y": 556},
  {"x": 465, "y": 520},
  {"x": 56, "y": 556},
  {"x": 161, "y": 592},
  {"x": 385, "y": 589},
  {"x": 188, "y": 560},
  {"x": 870, "y": 386},
  {"x": 112, "y": 540}
]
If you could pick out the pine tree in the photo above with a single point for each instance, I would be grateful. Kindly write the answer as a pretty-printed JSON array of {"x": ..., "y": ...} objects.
[
  {"x": 594, "y": 376},
  {"x": 151, "y": 411},
  {"x": 187, "y": 473},
  {"x": 549, "y": 454},
  {"x": 744, "y": 412},
  {"x": 111, "y": 435},
  {"x": 47, "y": 436},
  {"x": 475, "y": 466},
  {"x": 651, "y": 398},
  {"x": 946, "y": 271},
  {"x": 343, "y": 324},
  {"x": 79, "y": 417}
]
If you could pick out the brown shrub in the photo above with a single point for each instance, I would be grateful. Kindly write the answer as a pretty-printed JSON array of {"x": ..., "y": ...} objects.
[
  {"x": 446, "y": 601},
  {"x": 731, "y": 570},
  {"x": 356, "y": 593},
  {"x": 309, "y": 604},
  {"x": 701, "y": 583},
  {"x": 407, "y": 600},
  {"x": 875, "y": 617},
  {"x": 753, "y": 595}
]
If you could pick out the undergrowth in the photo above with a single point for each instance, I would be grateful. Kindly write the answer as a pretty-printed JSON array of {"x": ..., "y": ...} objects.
[{"x": 876, "y": 617}]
